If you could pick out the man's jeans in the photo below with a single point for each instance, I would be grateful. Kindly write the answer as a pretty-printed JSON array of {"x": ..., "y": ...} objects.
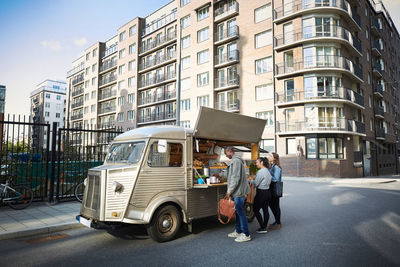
[{"x": 241, "y": 220}]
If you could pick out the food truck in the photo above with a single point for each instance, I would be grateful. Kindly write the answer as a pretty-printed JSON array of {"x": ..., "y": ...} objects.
[{"x": 153, "y": 175}]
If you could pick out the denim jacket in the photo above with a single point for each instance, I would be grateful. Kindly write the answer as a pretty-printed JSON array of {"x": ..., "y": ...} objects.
[{"x": 276, "y": 173}]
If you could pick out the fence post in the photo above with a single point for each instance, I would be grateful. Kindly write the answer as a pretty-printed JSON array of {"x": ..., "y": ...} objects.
[{"x": 53, "y": 162}]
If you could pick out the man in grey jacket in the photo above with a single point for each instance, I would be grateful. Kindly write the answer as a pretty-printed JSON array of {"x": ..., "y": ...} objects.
[{"x": 238, "y": 189}]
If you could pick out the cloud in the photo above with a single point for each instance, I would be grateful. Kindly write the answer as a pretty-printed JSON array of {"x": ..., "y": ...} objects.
[
  {"x": 51, "y": 44},
  {"x": 81, "y": 42}
]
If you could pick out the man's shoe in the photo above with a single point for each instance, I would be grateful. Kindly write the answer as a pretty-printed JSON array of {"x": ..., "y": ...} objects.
[
  {"x": 262, "y": 230},
  {"x": 234, "y": 234},
  {"x": 243, "y": 238},
  {"x": 275, "y": 226}
]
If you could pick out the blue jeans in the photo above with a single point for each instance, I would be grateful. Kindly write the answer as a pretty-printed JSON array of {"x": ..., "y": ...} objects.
[{"x": 242, "y": 225}]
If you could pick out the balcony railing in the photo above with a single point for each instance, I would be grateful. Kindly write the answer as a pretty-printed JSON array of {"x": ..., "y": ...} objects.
[
  {"x": 224, "y": 58},
  {"x": 358, "y": 156},
  {"x": 230, "y": 106},
  {"x": 78, "y": 79},
  {"x": 380, "y": 133},
  {"x": 318, "y": 31},
  {"x": 226, "y": 11},
  {"x": 78, "y": 68},
  {"x": 312, "y": 62},
  {"x": 77, "y": 92},
  {"x": 159, "y": 23},
  {"x": 157, "y": 42},
  {"x": 103, "y": 110},
  {"x": 157, "y": 60},
  {"x": 156, "y": 98},
  {"x": 379, "y": 111},
  {"x": 105, "y": 125},
  {"x": 107, "y": 79},
  {"x": 107, "y": 94},
  {"x": 377, "y": 69},
  {"x": 110, "y": 50},
  {"x": 376, "y": 47},
  {"x": 378, "y": 88},
  {"x": 77, "y": 117},
  {"x": 157, "y": 117},
  {"x": 157, "y": 79},
  {"x": 339, "y": 124},
  {"x": 221, "y": 83},
  {"x": 77, "y": 104},
  {"x": 230, "y": 32},
  {"x": 300, "y": 5},
  {"x": 108, "y": 65},
  {"x": 331, "y": 92}
]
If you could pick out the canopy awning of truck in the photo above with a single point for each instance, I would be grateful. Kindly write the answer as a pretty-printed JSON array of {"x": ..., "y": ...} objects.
[{"x": 226, "y": 126}]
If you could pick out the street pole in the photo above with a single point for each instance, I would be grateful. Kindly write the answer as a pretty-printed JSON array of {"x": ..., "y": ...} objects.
[{"x": 178, "y": 94}]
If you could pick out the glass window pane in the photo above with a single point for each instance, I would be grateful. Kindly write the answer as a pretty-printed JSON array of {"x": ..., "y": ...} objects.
[
  {"x": 322, "y": 148},
  {"x": 331, "y": 148},
  {"x": 311, "y": 148}
]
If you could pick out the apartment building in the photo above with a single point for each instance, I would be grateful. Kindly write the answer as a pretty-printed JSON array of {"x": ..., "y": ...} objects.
[
  {"x": 48, "y": 104},
  {"x": 2, "y": 107},
  {"x": 322, "y": 73}
]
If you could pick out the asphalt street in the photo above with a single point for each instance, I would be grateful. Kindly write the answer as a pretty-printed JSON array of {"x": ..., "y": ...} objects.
[{"x": 324, "y": 224}]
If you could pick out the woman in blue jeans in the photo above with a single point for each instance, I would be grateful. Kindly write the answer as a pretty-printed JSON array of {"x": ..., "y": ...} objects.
[{"x": 276, "y": 172}]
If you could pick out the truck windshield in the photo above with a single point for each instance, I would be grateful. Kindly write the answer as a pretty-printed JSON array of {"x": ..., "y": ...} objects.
[{"x": 125, "y": 152}]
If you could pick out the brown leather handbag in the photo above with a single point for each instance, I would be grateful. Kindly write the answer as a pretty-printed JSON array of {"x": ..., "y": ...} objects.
[
  {"x": 250, "y": 197},
  {"x": 226, "y": 209}
]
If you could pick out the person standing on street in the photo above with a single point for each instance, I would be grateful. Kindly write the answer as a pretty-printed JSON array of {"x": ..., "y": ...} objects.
[
  {"x": 276, "y": 172},
  {"x": 238, "y": 188},
  {"x": 263, "y": 194}
]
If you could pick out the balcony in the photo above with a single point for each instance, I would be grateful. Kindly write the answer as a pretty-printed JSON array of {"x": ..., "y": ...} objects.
[
  {"x": 378, "y": 90},
  {"x": 157, "y": 117},
  {"x": 105, "y": 125},
  {"x": 157, "y": 43},
  {"x": 77, "y": 92},
  {"x": 231, "y": 107},
  {"x": 110, "y": 50},
  {"x": 107, "y": 80},
  {"x": 226, "y": 11},
  {"x": 377, "y": 70},
  {"x": 322, "y": 94},
  {"x": 156, "y": 80},
  {"x": 156, "y": 98},
  {"x": 339, "y": 125},
  {"x": 226, "y": 59},
  {"x": 358, "y": 156},
  {"x": 157, "y": 61},
  {"x": 380, "y": 133},
  {"x": 76, "y": 117},
  {"x": 157, "y": 24},
  {"x": 318, "y": 33},
  {"x": 78, "y": 79},
  {"x": 375, "y": 27},
  {"x": 302, "y": 7},
  {"x": 107, "y": 94},
  {"x": 109, "y": 65},
  {"x": 376, "y": 48},
  {"x": 103, "y": 110},
  {"x": 315, "y": 63},
  {"x": 379, "y": 112},
  {"x": 222, "y": 83},
  {"x": 227, "y": 35},
  {"x": 77, "y": 104},
  {"x": 75, "y": 70}
]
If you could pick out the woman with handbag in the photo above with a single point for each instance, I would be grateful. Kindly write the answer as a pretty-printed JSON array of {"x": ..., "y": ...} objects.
[
  {"x": 276, "y": 193},
  {"x": 263, "y": 194}
]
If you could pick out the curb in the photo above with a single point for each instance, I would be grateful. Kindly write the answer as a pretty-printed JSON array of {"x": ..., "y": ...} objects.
[{"x": 41, "y": 230}]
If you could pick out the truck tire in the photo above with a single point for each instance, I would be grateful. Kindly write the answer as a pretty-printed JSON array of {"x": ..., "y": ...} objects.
[
  {"x": 248, "y": 207},
  {"x": 165, "y": 224}
]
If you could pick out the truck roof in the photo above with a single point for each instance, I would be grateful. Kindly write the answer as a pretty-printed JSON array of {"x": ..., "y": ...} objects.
[{"x": 159, "y": 131}]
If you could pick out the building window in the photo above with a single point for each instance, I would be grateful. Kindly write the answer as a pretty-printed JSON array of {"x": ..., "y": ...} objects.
[
  {"x": 122, "y": 53},
  {"x": 263, "y": 39},
  {"x": 262, "y": 13},
  {"x": 121, "y": 69},
  {"x": 94, "y": 53},
  {"x": 291, "y": 146},
  {"x": 366, "y": 33},
  {"x": 185, "y": 62},
  {"x": 131, "y": 98},
  {"x": 87, "y": 97},
  {"x": 185, "y": 105},
  {"x": 87, "y": 71},
  {"x": 185, "y": 124},
  {"x": 203, "y": 13},
  {"x": 132, "y": 49},
  {"x": 264, "y": 92},
  {"x": 122, "y": 36},
  {"x": 86, "y": 110},
  {"x": 93, "y": 108},
  {"x": 202, "y": 101},
  {"x": 185, "y": 21},
  {"x": 121, "y": 85},
  {"x": 121, "y": 101},
  {"x": 86, "y": 84},
  {"x": 264, "y": 65},
  {"x": 47, "y": 105},
  {"x": 94, "y": 81},
  {"x": 94, "y": 67},
  {"x": 131, "y": 81},
  {"x": 47, "y": 114},
  {"x": 131, "y": 115},
  {"x": 48, "y": 95},
  {"x": 185, "y": 42},
  {"x": 87, "y": 56},
  {"x": 202, "y": 56},
  {"x": 202, "y": 79},
  {"x": 131, "y": 64},
  {"x": 184, "y": 2},
  {"x": 268, "y": 116},
  {"x": 268, "y": 145},
  {"x": 132, "y": 30},
  {"x": 120, "y": 117},
  {"x": 324, "y": 148},
  {"x": 185, "y": 84},
  {"x": 202, "y": 35},
  {"x": 93, "y": 95}
]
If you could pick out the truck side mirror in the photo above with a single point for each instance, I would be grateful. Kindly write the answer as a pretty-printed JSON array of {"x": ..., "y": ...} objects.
[{"x": 162, "y": 146}]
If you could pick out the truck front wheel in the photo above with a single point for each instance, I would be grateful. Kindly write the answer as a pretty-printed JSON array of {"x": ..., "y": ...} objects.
[{"x": 165, "y": 224}]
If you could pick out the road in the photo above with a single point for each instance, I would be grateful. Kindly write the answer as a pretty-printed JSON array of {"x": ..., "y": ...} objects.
[{"x": 324, "y": 224}]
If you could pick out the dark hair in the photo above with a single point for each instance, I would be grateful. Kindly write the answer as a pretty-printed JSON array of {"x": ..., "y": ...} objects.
[
  {"x": 276, "y": 159},
  {"x": 264, "y": 161},
  {"x": 230, "y": 148}
]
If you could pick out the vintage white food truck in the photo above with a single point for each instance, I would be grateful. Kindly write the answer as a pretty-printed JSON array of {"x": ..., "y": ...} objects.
[{"x": 149, "y": 176}]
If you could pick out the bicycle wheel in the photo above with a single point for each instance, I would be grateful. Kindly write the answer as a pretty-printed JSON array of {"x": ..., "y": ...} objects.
[
  {"x": 79, "y": 189},
  {"x": 20, "y": 197}
]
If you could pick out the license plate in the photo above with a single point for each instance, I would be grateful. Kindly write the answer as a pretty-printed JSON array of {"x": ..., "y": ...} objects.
[{"x": 85, "y": 221}]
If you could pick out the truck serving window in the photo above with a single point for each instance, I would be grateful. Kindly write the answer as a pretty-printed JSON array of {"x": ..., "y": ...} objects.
[
  {"x": 125, "y": 152},
  {"x": 172, "y": 157}
]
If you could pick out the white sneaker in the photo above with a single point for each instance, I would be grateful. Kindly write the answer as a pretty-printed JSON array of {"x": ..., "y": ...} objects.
[
  {"x": 234, "y": 234},
  {"x": 243, "y": 238}
]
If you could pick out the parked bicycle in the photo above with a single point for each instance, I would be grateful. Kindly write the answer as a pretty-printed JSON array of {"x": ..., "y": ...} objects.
[
  {"x": 79, "y": 189},
  {"x": 17, "y": 196}
]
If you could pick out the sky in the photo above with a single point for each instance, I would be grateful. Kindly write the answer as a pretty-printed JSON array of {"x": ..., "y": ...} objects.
[{"x": 41, "y": 38}]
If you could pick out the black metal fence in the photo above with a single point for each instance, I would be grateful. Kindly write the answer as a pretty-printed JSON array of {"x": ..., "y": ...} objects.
[{"x": 49, "y": 159}]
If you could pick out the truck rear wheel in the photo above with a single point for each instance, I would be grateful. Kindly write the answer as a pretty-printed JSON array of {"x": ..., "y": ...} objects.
[
  {"x": 249, "y": 208},
  {"x": 165, "y": 224}
]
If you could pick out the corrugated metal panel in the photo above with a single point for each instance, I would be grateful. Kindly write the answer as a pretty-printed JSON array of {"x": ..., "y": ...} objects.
[
  {"x": 91, "y": 201},
  {"x": 202, "y": 202}
]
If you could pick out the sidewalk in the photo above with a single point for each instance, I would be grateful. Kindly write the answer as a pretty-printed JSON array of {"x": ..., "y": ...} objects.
[
  {"x": 363, "y": 180},
  {"x": 39, "y": 218}
]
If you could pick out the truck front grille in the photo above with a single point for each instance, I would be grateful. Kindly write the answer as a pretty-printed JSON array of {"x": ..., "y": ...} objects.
[{"x": 91, "y": 200}]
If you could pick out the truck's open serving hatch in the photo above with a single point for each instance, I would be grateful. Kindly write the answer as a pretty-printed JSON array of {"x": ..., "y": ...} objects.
[{"x": 226, "y": 126}]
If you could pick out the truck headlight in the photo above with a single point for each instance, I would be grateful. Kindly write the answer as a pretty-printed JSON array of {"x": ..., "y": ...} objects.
[{"x": 116, "y": 186}]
